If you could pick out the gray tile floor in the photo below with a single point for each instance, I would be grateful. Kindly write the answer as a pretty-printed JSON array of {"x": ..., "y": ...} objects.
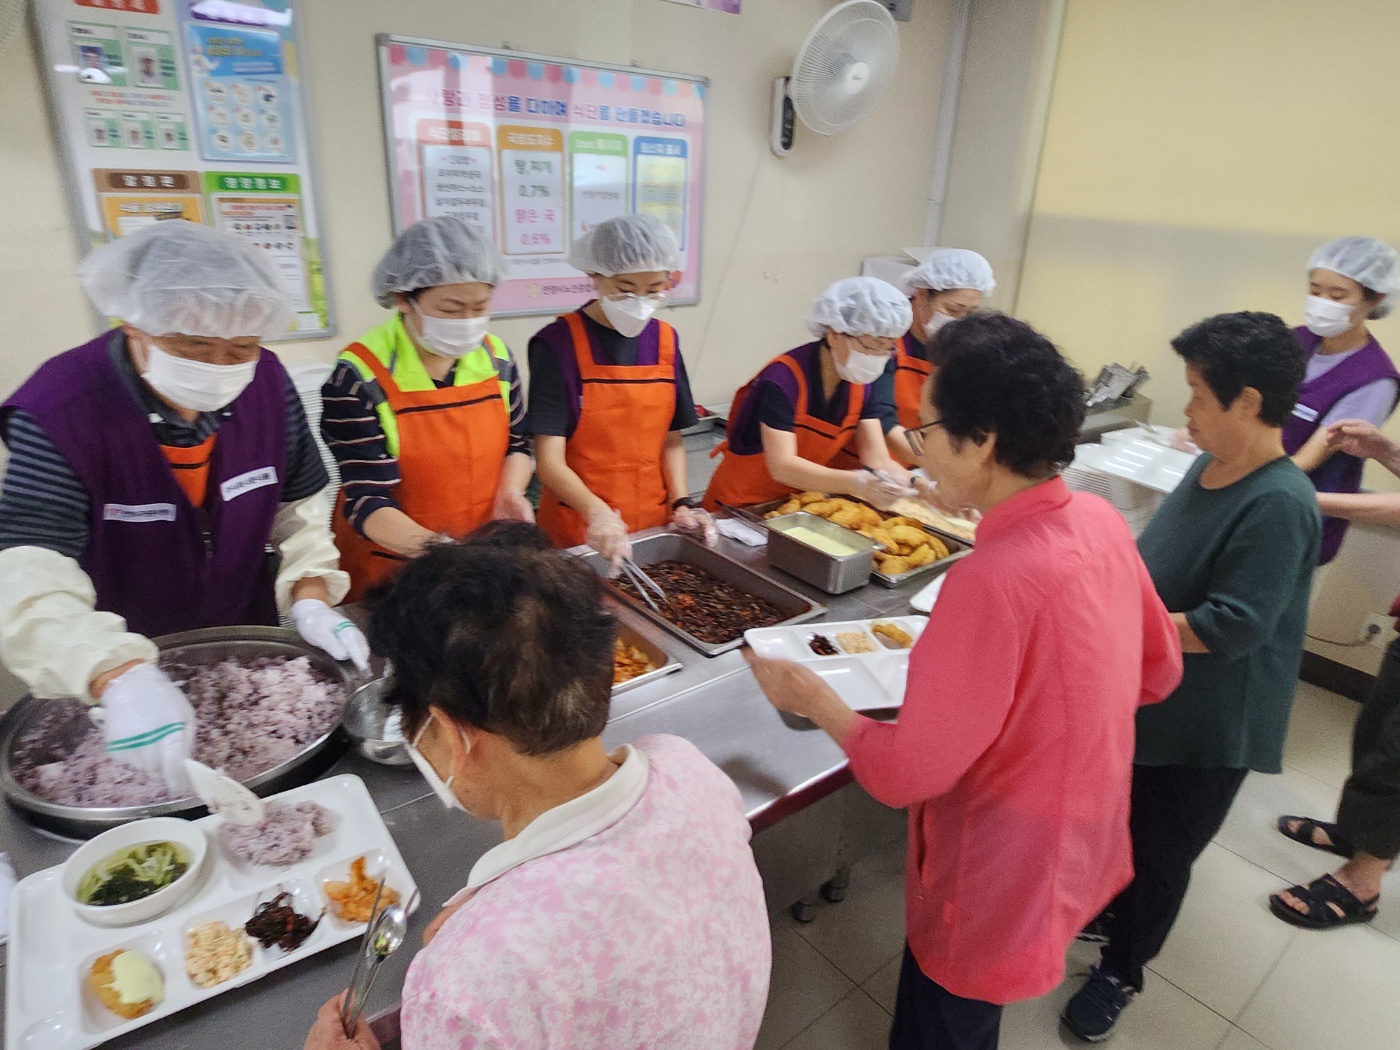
[{"x": 1232, "y": 977}]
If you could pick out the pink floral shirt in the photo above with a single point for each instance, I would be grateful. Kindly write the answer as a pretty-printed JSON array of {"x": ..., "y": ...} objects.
[{"x": 649, "y": 932}]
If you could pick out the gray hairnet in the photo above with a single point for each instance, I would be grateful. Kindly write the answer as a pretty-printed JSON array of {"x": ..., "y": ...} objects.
[
  {"x": 626, "y": 244},
  {"x": 441, "y": 250},
  {"x": 1370, "y": 263},
  {"x": 179, "y": 277},
  {"x": 951, "y": 268},
  {"x": 861, "y": 306}
]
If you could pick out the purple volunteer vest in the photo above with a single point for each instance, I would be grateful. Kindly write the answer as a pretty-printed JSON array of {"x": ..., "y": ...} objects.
[
  {"x": 560, "y": 341},
  {"x": 154, "y": 558},
  {"x": 1340, "y": 472}
]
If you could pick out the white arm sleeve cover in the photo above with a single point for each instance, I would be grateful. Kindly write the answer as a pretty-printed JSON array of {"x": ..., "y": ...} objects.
[
  {"x": 301, "y": 533},
  {"x": 51, "y": 636}
]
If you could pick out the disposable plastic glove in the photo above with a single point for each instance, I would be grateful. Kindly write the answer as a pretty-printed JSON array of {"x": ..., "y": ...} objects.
[
  {"x": 696, "y": 522},
  {"x": 881, "y": 493},
  {"x": 148, "y": 724},
  {"x": 607, "y": 534},
  {"x": 328, "y": 629},
  {"x": 928, "y": 493}
]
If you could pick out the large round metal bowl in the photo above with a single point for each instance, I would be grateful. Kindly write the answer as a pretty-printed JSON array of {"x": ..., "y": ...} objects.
[{"x": 197, "y": 648}]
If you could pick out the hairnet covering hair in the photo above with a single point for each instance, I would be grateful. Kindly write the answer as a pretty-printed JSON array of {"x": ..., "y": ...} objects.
[
  {"x": 952, "y": 268},
  {"x": 180, "y": 277},
  {"x": 1370, "y": 263},
  {"x": 440, "y": 250},
  {"x": 626, "y": 244},
  {"x": 861, "y": 306}
]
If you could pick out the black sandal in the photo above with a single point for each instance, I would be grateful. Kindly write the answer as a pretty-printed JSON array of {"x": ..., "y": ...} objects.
[
  {"x": 1319, "y": 896},
  {"x": 1338, "y": 843}
]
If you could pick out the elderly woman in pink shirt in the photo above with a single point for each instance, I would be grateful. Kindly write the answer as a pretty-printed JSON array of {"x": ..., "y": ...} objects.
[
  {"x": 1013, "y": 750},
  {"x": 624, "y": 908}
]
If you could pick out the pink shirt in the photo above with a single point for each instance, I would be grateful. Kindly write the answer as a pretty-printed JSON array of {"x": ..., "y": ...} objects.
[
  {"x": 649, "y": 932},
  {"x": 1014, "y": 748}
]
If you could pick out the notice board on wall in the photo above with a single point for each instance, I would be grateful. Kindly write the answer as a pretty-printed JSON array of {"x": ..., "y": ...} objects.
[
  {"x": 188, "y": 109},
  {"x": 535, "y": 151}
]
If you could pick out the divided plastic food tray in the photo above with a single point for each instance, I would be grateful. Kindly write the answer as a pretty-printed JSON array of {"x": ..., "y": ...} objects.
[
  {"x": 49, "y": 1005},
  {"x": 867, "y": 681}
]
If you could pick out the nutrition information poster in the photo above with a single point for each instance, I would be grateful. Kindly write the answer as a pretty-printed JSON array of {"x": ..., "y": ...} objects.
[
  {"x": 189, "y": 109},
  {"x": 535, "y": 151}
]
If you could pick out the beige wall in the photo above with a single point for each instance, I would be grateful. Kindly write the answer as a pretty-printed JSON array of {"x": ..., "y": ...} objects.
[
  {"x": 776, "y": 231},
  {"x": 1195, "y": 153}
]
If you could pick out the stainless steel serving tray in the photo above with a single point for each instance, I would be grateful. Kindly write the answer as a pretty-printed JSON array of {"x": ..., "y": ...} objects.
[
  {"x": 668, "y": 546},
  {"x": 758, "y": 510},
  {"x": 190, "y": 647},
  {"x": 664, "y": 662}
]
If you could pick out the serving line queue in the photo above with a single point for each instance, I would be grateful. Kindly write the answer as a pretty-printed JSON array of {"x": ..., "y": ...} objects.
[{"x": 996, "y": 423}]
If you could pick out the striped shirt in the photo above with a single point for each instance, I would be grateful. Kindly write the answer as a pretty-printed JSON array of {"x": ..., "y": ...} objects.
[
  {"x": 44, "y": 504},
  {"x": 352, "y": 431}
]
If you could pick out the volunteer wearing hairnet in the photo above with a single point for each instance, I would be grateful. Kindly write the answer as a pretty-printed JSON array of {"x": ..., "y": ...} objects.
[
  {"x": 1350, "y": 378},
  {"x": 150, "y": 470},
  {"x": 425, "y": 414},
  {"x": 790, "y": 422},
  {"x": 609, "y": 397},
  {"x": 945, "y": 287}
]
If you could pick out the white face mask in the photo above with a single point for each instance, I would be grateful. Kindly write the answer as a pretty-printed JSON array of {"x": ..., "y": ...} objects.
[
  {"x": 1325, "y": 317},
  {"x": 935, "y": 323},
  {"x": 452, "y": 337},
  {"x": 441, "y": 788},
  {"x": 195, "y": 385},
  {"x": 861, "y": 369},
  {"x": 630, "y": 315}
]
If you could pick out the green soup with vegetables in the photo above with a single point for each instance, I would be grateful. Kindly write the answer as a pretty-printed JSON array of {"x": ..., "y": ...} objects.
[{"x": 133, "y": 873}]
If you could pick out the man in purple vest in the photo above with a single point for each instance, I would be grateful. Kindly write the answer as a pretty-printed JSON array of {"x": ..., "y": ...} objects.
[
  {"x": 150, "y": 472},
  {"x": 1350, "y": 281}
]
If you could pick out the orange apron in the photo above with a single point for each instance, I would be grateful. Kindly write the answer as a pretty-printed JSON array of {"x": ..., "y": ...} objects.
[
  {"x": 625, "y": 415},
  {"x": 744, "y": 480},
  {"x": 910, "y": 374},
  {"x": 453, "y": 443},
  {"x": 191, "y": 468}
]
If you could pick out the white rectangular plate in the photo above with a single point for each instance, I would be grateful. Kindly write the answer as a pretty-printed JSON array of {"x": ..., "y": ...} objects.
[
  {"x": 48, "y": 1004},
  {"x": 865, "y": 681}
]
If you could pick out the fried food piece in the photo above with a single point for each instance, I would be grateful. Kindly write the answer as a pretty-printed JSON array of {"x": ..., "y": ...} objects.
[
  {"x": 790, "y": 507},
  {"x": 908, "y": 538},
  {"x": 846, "y": 517},
  {"x": 821, "y": 508},
  {"x": 353, "y": 900},
  {"x": 922, "y": 555},
  {"x": 804, "y": 498},
  {"x": 892, "y": 635},
  {"x": 883, "y": 537},
  {"x": 895, "y": 566},
  {"x": 872, "y": 517},
  {"x": 104, "y": 980},
  {"x": 939, "y": 548}
]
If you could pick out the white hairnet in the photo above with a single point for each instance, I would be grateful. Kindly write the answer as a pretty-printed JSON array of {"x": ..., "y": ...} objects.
[
  {"x": 180, "y": 277},
  {"x": 951, "y": 268},
  {"x": 861, "y": 306},
  {"x": 441, "y": 250},
  {"x": 1370, "y": 263},
  {"x": 626, "y": 244}
]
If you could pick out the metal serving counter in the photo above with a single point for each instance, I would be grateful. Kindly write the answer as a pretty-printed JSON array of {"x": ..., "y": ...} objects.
[{"x": 781, "y": 766}]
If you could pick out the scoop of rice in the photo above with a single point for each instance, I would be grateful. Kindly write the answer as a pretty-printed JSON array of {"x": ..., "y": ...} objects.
[{"x": 285, "y": 835}]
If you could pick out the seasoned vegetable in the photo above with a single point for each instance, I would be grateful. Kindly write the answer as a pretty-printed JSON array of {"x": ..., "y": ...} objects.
[
  {"x": 133, "y": 873},
  {"x": 708, "y": 608}
]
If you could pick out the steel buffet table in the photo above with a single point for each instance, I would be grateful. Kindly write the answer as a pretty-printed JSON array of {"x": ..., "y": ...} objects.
[{"x": 794, "y": 781}]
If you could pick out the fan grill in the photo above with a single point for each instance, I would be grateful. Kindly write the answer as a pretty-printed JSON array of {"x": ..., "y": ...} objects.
[{"x": 845, "y": 66}]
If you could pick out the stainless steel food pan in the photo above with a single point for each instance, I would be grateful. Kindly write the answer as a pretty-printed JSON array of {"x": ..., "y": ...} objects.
[{"x": 833, "y": 573}]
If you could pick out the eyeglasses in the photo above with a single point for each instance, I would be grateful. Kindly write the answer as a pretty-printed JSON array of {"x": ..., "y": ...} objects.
[
  {"x": 883, "y": 349},
  {"x": 916, "y": 436}
]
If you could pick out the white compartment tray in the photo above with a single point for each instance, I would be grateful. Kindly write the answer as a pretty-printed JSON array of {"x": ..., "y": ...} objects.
[
  {"x": 867, "y": 681},
  {"x": 48, "y": 1003}
]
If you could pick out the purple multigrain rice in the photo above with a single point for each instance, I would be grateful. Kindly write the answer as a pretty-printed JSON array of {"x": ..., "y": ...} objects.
[
  {"x": 285, "y": 835},
  {"x": 250, "y": 717}
]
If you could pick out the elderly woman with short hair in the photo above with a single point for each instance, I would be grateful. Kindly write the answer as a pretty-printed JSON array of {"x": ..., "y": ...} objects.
[
  {"x": 624, "y": 907},
  {"x": 1040, "y": 649}
]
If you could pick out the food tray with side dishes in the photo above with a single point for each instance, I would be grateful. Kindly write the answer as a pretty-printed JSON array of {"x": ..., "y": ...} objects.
[
  {"x": 49, "y": 1003},
  {"x": 864, "y": 661}
]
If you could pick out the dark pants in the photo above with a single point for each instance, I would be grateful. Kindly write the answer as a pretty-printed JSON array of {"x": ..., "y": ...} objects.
[
  {"x": 1176, "y": 811},
  {"x": 1369, "y": 813},
  {"x": 929, "y": 1017}
]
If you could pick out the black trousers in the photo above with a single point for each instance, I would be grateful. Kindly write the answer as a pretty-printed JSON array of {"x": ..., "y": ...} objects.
[
  {"x": 1369, "y": 813},
  {"x": 929, "y": 1017},
  {"x": 1176, "y": 811}
]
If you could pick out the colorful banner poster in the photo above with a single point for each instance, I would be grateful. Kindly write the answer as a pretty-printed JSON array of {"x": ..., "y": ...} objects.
[
  {"x": 536, "y": 151},
  {"x": 190, "y": 109}
]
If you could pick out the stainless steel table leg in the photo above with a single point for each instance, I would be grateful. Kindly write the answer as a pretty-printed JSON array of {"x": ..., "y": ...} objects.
[
  {"x": 835, "y": 888},
  {"x": 805, "y": 910}
]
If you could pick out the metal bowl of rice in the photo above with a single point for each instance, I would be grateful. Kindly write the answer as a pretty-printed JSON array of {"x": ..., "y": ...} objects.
[{"x": 269, "y": 709}]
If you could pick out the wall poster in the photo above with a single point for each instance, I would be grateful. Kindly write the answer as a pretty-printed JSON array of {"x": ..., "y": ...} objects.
[
  {"x": 536, "y": 151},
  {"x": 189, "y": 109}
]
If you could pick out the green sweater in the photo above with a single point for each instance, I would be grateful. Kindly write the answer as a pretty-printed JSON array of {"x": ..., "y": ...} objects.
[{"x": 1238, "y": 562}]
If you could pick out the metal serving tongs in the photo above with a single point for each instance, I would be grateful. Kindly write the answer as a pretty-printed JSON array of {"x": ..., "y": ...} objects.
[
  {"x": 646, "y": 586},
  {"x": 384, "y": 934}
]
